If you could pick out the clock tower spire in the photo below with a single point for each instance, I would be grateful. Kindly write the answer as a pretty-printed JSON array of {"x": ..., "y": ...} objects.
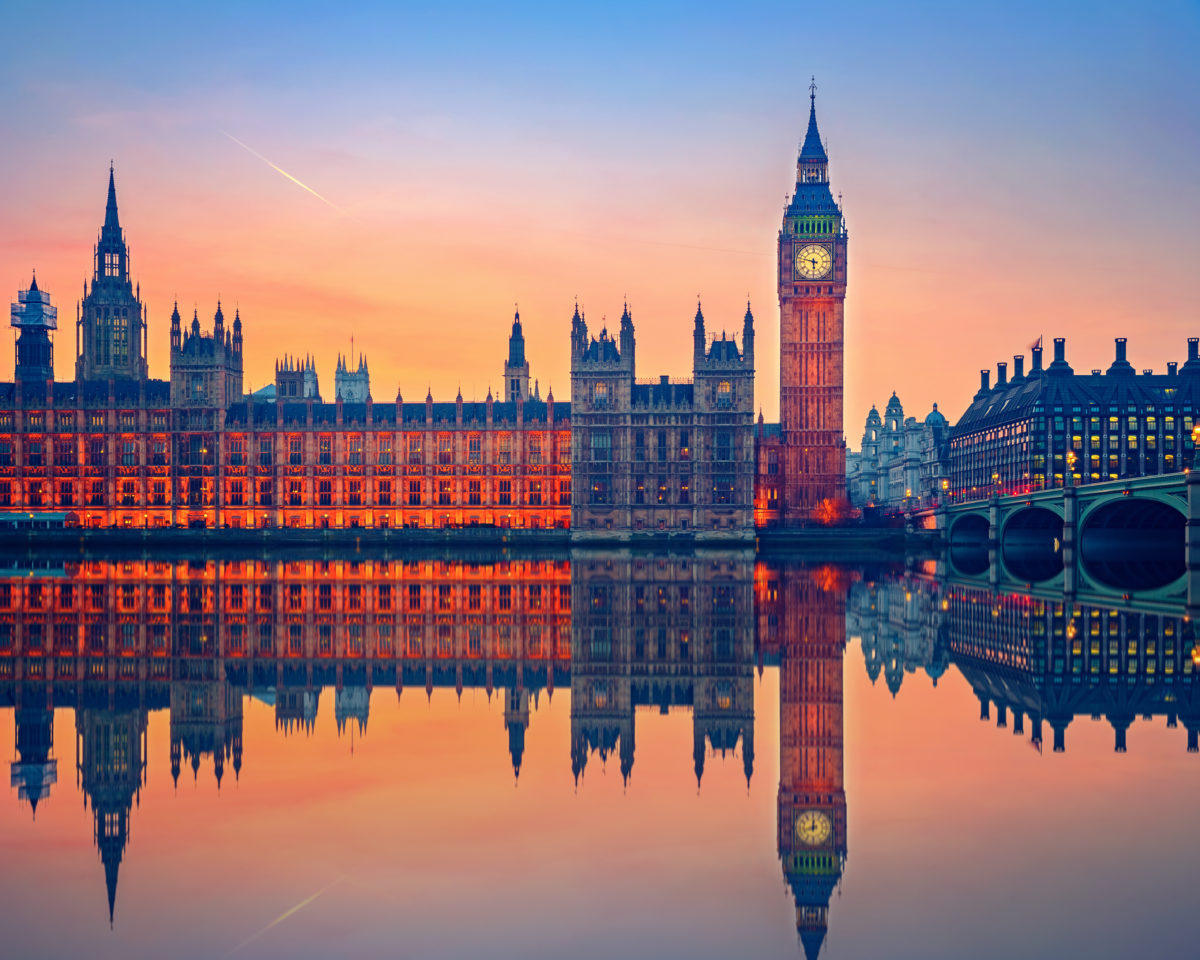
[{"x": 812, "y": 293}]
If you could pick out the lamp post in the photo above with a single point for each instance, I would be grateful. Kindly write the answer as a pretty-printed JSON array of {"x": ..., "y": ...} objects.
[{"x": 1069, "y": 480}]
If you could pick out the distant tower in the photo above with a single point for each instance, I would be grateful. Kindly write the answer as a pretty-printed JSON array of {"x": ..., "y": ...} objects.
[
  {"x": 812, "y": 793},
  {"x": 34, "y": 319},
  {"x": 296, "y": 379},
  {"x": 812, "y": 293},
  {"x": 516, "y": 722},
  {"x": 35, "y": 770},
  {"x": 351, "y": 385},
  {"x": 111, "y": 746},
  {"x": 206, "y": 370},
  {"x": 111, "y": 331},
  {"x": 516, "y": 369}
]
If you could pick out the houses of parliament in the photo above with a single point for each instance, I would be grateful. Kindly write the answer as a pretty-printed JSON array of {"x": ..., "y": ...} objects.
[{"x": 625, "y": 457}]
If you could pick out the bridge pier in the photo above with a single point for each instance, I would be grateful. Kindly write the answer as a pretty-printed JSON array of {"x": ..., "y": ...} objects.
[
  {"x": 993, "y": 540},
  {"x": 1192, "y": 541},
  {"x": 1070, "y": 539}
]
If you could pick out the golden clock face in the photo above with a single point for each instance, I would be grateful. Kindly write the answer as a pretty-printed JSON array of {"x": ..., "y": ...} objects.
[
  {"x": 813, "y": 261},
  {"x": 813, "y": 827}
]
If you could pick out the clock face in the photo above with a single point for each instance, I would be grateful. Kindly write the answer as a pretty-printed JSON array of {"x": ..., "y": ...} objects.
[
  {"x": 813, "y": 261},
  {"x": 813, "y": 827}
]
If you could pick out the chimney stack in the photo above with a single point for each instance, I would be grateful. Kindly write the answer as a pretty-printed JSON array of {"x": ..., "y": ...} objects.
[
  {"x": 1193, "y": 348},
  {"x": 1019, "y": 367},
  {"x": 985, "y": 377},
  {"x": 1001, "y": 375},
  {"x": 1172, "y": 368},
  {"x": 1120, "y": 342},
  {"x": 1060, "y": 350}
]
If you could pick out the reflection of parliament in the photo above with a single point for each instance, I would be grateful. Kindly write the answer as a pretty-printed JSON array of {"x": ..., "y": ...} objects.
[
  {"x": 624, "y": 457},
  {"x": 628, "y": 633}
]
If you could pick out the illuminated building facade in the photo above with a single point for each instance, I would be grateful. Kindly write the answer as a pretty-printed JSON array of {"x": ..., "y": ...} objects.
[
  {"x": 115, "y": 448},
  {"x": 1052, "y": 426},
  {"x": 662, "y": 456}
]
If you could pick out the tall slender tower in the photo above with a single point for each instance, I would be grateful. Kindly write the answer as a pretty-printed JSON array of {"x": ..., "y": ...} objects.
[
  {"x": 812, "y": 792},
  {"x": 516, "y": 369},
  {"x": 812, "y": 293},
  {"x": 110, "y": 340}
]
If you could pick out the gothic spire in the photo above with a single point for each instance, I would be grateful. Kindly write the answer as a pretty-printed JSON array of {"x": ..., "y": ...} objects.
[
  {"x": 110, "y": 210},
  {"x": 812, "y": 149}
]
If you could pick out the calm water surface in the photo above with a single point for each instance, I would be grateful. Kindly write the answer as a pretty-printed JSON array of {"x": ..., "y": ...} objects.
[{"x": 693, "y": 756}]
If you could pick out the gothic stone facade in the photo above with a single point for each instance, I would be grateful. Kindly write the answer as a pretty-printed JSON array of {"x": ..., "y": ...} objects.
[{"x": 659, "y": 456}]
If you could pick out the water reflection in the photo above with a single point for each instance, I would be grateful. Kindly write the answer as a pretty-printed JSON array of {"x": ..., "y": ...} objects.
[
  {"x": 1043, "y": 659},
  {"x": 632, "y": 636}
]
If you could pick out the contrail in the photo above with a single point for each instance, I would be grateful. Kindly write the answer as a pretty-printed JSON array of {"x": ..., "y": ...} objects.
[
  {"x": 303, "y": 903},
  {"x": 279, "y": 169}
]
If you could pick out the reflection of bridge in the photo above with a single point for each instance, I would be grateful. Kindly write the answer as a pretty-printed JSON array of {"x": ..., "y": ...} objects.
[
  {"x": 1037, "y": 658},
  {"x": 1131, "y": 535}
]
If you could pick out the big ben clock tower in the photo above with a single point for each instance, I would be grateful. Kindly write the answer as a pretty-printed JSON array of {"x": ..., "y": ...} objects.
[{"x": 812, "y": 292}]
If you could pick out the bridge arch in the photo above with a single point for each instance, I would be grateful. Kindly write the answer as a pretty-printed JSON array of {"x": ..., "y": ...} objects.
[
  {"x": 1133, "y": 542},
  {"x": 1031, "y": 543},
  {"x": 968, "y": 538}
]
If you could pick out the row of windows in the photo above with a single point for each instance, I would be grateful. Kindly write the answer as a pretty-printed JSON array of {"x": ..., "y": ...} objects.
[
  {"x": 196, "y": 449},
  {"x": 600, "y": 445},
  {"x": 196, "y": 491},
  {"x": 414, "y": 597}
]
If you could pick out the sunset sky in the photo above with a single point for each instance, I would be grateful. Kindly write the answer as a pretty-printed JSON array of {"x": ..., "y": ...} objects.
[{"x": 1007, "y": 171}]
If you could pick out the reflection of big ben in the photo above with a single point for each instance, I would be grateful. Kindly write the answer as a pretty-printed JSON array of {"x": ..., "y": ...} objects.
[{"x": 812, "y": 796}]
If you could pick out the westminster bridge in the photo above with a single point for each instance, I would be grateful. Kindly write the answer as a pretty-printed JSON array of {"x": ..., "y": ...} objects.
[{"x": 1137, "y": 535}]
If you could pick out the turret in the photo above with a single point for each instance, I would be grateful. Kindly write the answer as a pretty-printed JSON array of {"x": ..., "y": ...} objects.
[
  {"x": 698, "y": 337},
  {"x": 516, "y": 368},
  {"x": 627, "y": 339},
  {"x": 219, "y": 324},
  {"x": 748, "y": 336},
  {"x": 34, "y": 320},
  {"x": 237, "y": 332},
  {"x": 176, "y": 329}
]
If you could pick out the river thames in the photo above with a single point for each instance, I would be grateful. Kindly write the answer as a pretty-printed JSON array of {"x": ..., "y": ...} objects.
[{"x": 697, "y": 755}]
